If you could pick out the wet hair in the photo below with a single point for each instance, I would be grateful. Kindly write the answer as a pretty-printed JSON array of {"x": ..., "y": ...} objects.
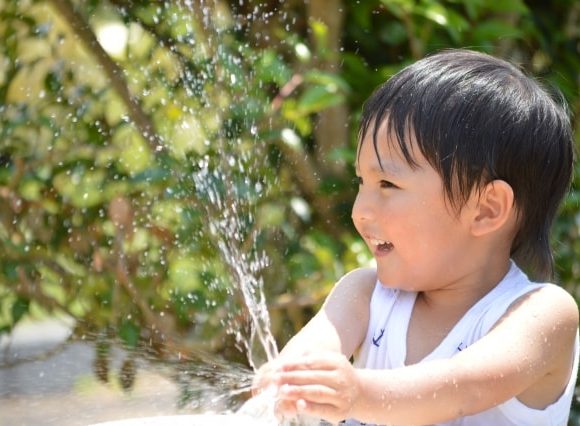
[{"x": 476, "y": 118}]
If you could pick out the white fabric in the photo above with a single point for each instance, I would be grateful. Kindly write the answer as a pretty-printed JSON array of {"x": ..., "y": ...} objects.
[{"x": 385, "y": 346}]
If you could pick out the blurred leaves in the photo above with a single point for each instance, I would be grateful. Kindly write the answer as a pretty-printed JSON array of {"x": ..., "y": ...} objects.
[
  {"x": 115, "y": 223},
  {"x": 123, "y": 172}
]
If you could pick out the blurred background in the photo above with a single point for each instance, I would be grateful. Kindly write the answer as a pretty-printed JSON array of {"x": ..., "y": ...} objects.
[{"x": 159, "y": 157}]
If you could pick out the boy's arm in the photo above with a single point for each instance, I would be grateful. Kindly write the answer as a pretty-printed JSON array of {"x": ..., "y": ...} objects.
[
  {"x": 341, "y": 324},
  {"x": 338, "y": 327},
  {"x": 528, "y": 354}
]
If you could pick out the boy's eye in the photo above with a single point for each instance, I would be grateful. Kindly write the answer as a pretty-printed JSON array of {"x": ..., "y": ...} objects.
[
  {"x": 387, "y": 184},
  {"x": 358, "y": 181}
]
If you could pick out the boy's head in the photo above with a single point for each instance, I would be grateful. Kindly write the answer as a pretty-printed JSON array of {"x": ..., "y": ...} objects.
[{"x": 476, "y": 119}]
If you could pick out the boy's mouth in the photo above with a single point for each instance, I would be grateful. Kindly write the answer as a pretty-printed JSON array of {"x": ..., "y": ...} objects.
[{"x": 381, "y": 245}]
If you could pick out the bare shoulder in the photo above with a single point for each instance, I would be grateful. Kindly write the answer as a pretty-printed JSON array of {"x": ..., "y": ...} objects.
[
  {"x": 552, "y": 303},
  {"x": 562, "y": 300},
  {"x": 531, "y": 349},
  {"x": 341, "y": 323},
  {"x": 362, "y": 277},
  {"x": 549, "y": 310},
  {"x": 551, "y": 314},
  {"x": 357, "y": 285},
  {"x": 346, "y": 309}
]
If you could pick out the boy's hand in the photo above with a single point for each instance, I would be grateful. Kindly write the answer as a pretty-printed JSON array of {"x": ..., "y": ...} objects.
[
  {"x": 265, "y": 377},
  {"x": 323, "y": 385}
]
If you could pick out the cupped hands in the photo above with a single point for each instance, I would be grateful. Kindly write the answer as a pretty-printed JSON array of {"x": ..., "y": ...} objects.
[{"x": 323, "y": 385}]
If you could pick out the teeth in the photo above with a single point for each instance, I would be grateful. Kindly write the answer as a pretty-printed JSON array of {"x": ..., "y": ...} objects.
[{"x": 376, "y": 242}]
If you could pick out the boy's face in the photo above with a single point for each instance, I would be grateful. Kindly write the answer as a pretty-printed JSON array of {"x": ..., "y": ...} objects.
[{"x": 419, "y": 242}]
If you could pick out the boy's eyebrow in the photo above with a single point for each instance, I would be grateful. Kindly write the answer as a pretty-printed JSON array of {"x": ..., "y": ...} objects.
[{"x": 386, "y": 167}]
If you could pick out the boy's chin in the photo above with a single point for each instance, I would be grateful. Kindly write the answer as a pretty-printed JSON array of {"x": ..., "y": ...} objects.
[
  {"x": 386, "y": 274},
  {"x": 392, "y": 281},
  {"x": 386, "y": 280}
]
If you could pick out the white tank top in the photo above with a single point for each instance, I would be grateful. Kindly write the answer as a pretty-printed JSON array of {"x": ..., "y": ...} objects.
[{"x": 385, "y": 347}]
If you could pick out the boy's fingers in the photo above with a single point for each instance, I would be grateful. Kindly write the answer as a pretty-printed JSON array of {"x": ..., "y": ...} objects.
[
  {"x": 326, "y": 361},
  {"x": 307, "y": 377},
  {"x": 322, "y": 411},
  {"x": 286, "y": 408},
  {"x": 314, "y": 393},
  {"x": 265, "y": 377}
]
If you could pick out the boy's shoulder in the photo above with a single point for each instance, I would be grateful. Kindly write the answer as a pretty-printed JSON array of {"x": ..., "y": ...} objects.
[
  {"x": 545, "y": 323},
  {"x": 364, "y": 274},
  {"x": 550, "y": 293},
  {"x": 549, "y": 308},
  {"x": 360, "y": 279},
  {"x": 356, "y": 286},
  {"x": 551, "y": 296}
]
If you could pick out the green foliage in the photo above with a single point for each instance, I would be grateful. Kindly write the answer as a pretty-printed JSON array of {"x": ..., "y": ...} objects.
[
  {"x": 125, "y": 172},
  {"x": 102, "y": 225}
]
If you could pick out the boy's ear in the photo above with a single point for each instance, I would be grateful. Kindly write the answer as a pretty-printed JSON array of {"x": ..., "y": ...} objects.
[{"x": 495, "y": 208}]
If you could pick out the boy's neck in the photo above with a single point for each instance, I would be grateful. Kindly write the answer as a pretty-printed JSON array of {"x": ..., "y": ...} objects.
[{"x": 472, "y": 287}]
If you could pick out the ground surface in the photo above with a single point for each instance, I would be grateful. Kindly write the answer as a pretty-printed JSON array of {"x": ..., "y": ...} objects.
[{"x": 62, "y": 389}]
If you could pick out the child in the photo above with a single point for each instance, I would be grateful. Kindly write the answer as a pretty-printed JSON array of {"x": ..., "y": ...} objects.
[{"x": 462, "y": 163}]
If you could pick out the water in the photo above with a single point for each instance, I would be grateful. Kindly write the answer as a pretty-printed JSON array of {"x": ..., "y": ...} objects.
[
  {"x": 229, "y": 218},
  {"x": 231, "y": 191},
  {"x": 214, "y": 138},
  {"x": 229, "y": 185}
]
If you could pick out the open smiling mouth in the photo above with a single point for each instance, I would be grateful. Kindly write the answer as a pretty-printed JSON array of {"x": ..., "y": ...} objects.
[{"x": 381, "y": 245}]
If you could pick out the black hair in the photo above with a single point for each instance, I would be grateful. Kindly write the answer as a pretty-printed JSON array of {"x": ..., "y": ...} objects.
[{"x": 477, "y": 118}]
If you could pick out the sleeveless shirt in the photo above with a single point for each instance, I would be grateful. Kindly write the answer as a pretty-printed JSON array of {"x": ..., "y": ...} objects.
[{"x": 385, "y": 347}]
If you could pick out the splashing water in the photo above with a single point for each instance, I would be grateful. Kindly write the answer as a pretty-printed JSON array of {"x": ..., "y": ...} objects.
[
  {"x": 195, "y": 117},
  {"x": 229, "y": 185},
  {"x": 226, "y": 224},
  {"x": 229, "y": 217},
  {"x": 226, "y": 185},
  {"x": 226, "y": 215},
  {"x": 230, "y": 193}
]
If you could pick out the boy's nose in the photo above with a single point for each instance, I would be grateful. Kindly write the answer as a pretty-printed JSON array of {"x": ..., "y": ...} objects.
[{"x": 362, "y": 208}]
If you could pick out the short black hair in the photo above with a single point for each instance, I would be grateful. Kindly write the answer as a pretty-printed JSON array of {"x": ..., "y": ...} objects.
[{"x": 477, "y": 118}]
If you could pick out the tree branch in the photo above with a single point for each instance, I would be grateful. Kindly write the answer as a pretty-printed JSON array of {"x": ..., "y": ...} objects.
[
  {"x": 331, "y": 129},
  {"x": 122, "y": 274},
  {"x": 303, "y": 167},
  {"x": 32, "y": 290},
  {"x": 113, "y": 71}
]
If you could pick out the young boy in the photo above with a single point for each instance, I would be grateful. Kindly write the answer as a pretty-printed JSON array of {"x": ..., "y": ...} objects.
[{"x": 462, "y": 163}]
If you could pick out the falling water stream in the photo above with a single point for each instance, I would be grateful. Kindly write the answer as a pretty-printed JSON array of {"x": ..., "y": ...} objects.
[
  {"x": 227, "y": 229},
  {"x": 229, "y": 185},
  {"x": 230, "y": 192},
  {"x": 224, "y": 184}
]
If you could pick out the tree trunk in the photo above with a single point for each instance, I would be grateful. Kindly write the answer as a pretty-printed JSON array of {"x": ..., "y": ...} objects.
[{"x": 331, "y": 130}]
